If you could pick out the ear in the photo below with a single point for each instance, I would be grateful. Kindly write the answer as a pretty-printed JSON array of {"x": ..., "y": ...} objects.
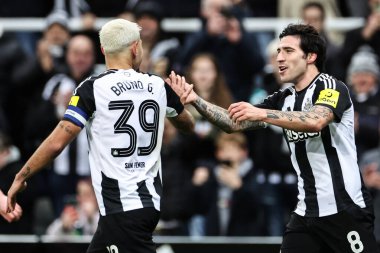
[
  {"x": 102, "y": 49},
  {"x": 134, "y": 48},
  {"x": 311, "y": 58}
]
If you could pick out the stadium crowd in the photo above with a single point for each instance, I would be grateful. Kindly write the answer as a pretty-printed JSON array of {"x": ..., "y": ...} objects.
[{"x": 214, "y": 183}]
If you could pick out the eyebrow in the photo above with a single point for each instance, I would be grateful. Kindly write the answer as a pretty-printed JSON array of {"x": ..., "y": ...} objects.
[{"x": 285, "y": 48}]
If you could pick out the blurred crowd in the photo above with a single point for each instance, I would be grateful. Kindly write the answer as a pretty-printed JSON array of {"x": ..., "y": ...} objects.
[{"x": 238, "y": 184}]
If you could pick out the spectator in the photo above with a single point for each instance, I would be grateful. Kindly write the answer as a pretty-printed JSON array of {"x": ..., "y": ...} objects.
[
  {"x": 313, "y": 13},
  {"x": 13, "y": 59},
  {"x": 158, "y": 51},
  {"x": 357, "y": 8},
  {"x": 363, "y": 77},
  {"x": 369, "y": 35},
  {"x": 26, "y": 9},
  {"x": 24, "y": 77},
  {"x": 227, "y": 193},
  {"x": 10, "y": 163},
  {"x": 222, "y": 31},
  {"x": 79, "y": 217},
  {"x": 292, "y": 8},
  {"x": 72, "y": 164},
  {"x": 204, "y": 71},
  {"x": 332, "y": 8},
  {"x": 278, "y": 179},
  {"x": 89, "y": 11},
  {"x": 176, "y": 173},
  {"x": 370, "y": 167},
  {"x": 51, "y": 48}
]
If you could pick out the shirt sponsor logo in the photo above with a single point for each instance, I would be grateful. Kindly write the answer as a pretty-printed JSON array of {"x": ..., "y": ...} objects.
[
  {"x": 294, "y": 136},
  {"x": 74, "y": 100},
  {"x": 328, "y": 97}
]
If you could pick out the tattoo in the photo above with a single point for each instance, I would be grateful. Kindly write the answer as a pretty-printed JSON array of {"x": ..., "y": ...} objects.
[
  {"x": 271, "y": 115},
  {"x": 315, "y": 114},
  {"x": 220, "y": 117},
  {"x": 66, "y": 128},
  {"x": 323, "y": 111},
  {"x": 26, "y": 173}
]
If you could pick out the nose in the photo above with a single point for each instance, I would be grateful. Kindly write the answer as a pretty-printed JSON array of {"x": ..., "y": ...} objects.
[{"x": 280, "y": 57}]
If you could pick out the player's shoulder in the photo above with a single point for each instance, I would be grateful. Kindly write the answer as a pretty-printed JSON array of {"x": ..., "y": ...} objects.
[
  {"x": 284, "y": 91},
  {"x": 327, "y": 81},
  {"x": 153, "y": 78},
  {"x": 91, "y": 79}
]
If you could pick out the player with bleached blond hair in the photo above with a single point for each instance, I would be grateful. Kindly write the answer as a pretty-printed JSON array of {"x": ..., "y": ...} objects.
[{"x": 123, "y": 111}]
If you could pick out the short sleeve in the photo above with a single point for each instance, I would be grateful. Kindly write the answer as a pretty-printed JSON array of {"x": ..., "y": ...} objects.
[
  {"x": 272, "y": 101},
  {"x": 174, "y": 105},
  {"x": 81, "y": 105},
  {"x": 337, "y": 99}
]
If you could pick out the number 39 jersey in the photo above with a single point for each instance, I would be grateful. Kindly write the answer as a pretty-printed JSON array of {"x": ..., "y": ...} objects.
[{"x": 124, "y": 111}]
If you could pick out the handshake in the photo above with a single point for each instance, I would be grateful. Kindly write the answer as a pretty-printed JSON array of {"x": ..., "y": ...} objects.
[
  {"x": 15, "y": 215},
  {"x": 237, "y": 112}
]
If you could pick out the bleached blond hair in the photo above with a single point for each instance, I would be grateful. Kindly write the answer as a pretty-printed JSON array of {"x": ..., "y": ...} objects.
[{"x": 118, "y": 34}]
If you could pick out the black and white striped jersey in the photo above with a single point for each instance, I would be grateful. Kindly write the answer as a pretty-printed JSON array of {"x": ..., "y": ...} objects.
[
  {"x": 124, "y": 111},
  {"x": 329, "y": 179}
]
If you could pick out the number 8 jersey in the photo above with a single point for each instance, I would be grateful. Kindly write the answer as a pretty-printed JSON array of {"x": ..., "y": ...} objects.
[{"x": 124, "y": 111}]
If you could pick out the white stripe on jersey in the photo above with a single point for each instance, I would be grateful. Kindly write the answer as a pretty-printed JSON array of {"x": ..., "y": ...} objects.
[
  {"x": 347, "y": 160},
  {"x": 323, "y": 180}
]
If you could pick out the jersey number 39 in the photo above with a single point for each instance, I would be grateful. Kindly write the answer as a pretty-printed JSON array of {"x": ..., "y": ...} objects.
[{"x": 121, "y": 126}]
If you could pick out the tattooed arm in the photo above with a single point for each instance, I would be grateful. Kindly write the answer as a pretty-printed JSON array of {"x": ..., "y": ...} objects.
[
  {"x": 213, "y": 113},
  {"x": 51, "y": 147},
  {"x": 220, "y": 117},
  {"x": 311, "y": 121}
]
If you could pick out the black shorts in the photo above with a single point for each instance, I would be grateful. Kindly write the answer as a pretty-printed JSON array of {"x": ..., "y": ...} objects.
[
  {"x": 347, "y": 231},
  {"x": 126, "y": 232}
]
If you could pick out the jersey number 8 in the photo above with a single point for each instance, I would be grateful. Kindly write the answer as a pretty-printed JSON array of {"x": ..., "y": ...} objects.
[{"x": 121, "y": 126}]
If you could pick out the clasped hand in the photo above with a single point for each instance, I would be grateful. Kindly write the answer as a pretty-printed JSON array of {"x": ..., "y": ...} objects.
[{"x": 237, "y": 111}]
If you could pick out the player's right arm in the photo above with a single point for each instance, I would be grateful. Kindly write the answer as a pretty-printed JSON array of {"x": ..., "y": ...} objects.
[
  {"x": 213, "y": 113},
  {"x": 220, "y": 117},
  {"x": 51, "y": 147}
]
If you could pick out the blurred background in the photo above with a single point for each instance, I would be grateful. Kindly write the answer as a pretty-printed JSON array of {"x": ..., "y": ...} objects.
[{"x": 219, "y": 190}]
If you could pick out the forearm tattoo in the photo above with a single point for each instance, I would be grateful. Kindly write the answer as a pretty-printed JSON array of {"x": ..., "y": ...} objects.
[
  {"x": 315, "y": 113},
  {"x": 220, "y": 117},
  {"x": 26, "y": 172},
  {"x": 66, "y": 128}
]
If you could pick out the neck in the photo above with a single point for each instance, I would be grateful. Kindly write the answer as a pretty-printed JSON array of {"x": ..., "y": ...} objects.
[
  {"x": 306, "y": 78},
  {"x": 119, "y": 61},
  {"x": 118, "y": 65}
]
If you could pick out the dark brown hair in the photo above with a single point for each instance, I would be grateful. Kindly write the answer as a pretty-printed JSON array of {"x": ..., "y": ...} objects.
[
  {"x": 311, "y": 41},
  {"x": 220, "y": 95}
]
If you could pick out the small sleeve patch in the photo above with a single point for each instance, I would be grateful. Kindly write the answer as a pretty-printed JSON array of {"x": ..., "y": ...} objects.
[
  {"x": 328, "y": 97},
  {"x": 74, "y": 100}
]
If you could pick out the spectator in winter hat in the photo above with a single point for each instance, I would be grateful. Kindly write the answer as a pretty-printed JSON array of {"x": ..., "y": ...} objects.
[{"x": 363, "y": 77}]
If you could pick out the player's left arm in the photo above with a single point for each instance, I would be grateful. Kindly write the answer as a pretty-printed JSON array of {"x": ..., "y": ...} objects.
[
  {"x": 51, "y": 147},
  {"x": 314, "y": 120},
  {"x": 183, "y": 121},
  {"x": 329, "y": 106},
  {"x": 311, "y": 121}
]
